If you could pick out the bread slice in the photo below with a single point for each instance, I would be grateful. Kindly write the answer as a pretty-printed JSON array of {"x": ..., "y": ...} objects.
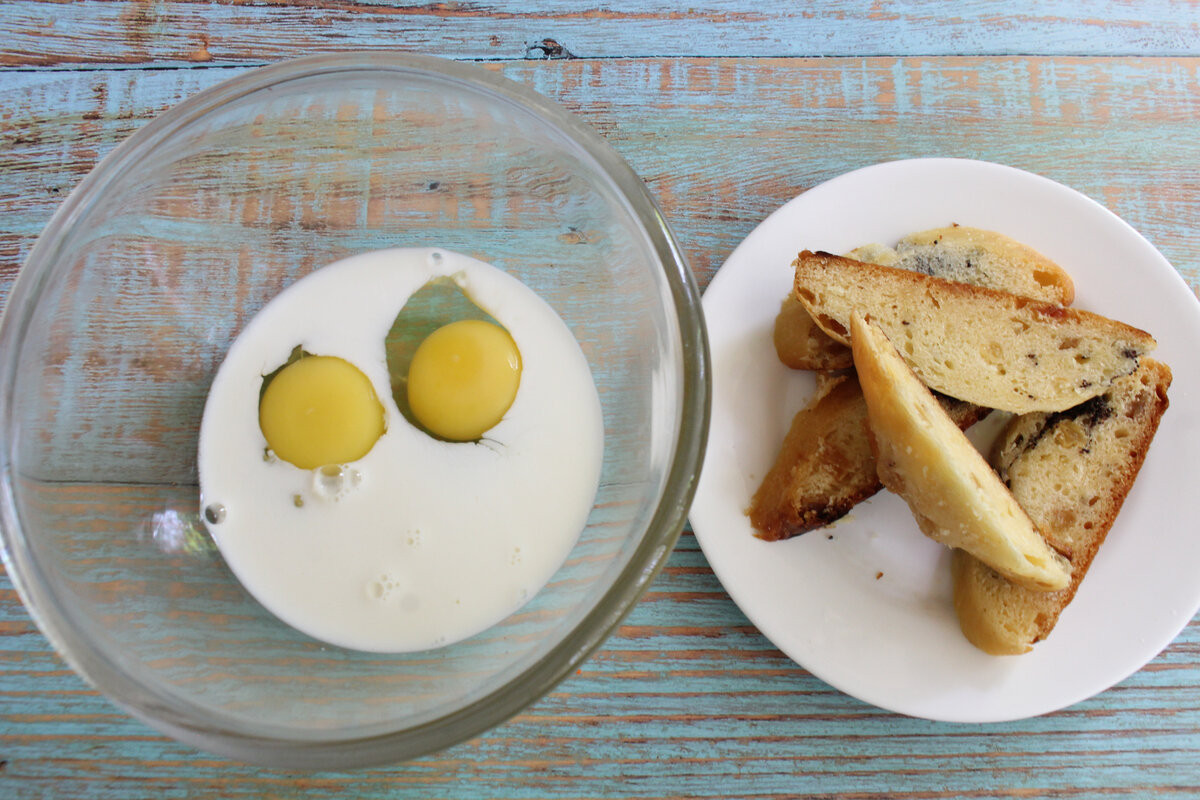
[
  {"x": 958, "y": 253},
  {"x": 980, "y": 258},
  {"x": 923, "y": 457},
  {"x": 1071, "y": 472},
  {"x": 825, "y": 465},
  {"x": 991, "y": 348},
  {"x": 801, "y": 344}
]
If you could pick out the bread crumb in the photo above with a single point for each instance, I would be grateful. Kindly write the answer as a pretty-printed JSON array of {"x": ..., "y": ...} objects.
[{"x": 878, "y": 575}]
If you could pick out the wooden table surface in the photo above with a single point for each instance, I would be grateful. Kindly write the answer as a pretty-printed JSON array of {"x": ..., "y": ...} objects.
[{"x": 727, "y": 110}]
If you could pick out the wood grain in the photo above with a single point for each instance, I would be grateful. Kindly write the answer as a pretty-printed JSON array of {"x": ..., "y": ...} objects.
[
  {"x": 44, "y": 33},
  {"x": 687, "y": 699},
  {"x": 723, "y": 142}
]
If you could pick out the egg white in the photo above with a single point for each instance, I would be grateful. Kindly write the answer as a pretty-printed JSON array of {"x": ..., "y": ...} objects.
[{"x": 426, "y": 542}]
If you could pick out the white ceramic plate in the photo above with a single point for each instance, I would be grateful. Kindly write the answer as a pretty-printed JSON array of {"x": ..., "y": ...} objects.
[{"x": 865, "y": 605}]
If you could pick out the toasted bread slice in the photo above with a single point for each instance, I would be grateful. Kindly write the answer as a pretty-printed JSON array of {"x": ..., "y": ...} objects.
[
  {"x": 1071, "y": 472},
  {"x": 825, "y": 465},
  {"x": 958, "y": 253},
  {"x": 801, "y": 344},
  {"x": 991, "y": 348},
  {"x": 923, "y": 457},
  {"x": 980, "y": 258}
]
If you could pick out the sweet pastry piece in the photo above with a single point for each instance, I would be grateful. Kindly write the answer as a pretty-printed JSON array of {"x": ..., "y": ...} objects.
[
  {"x": 801, "y": 344},
  {"x": 825, "y": 466},
  {"x": 978, "y": 257},
  {"x": 922, "y": 456},
  {"x": 991, "y": 348},
  {"x": 957, "y": 253},
  {"x": 1070, "y": 471}
]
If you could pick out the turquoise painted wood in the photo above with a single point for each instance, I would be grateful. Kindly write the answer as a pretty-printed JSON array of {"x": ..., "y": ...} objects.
[
  {"x": 712, "y": 107},
  {"x": 723, "y": 142},
  {"x": 687, "y": 700},
  {"x": 46, "y": 33}
]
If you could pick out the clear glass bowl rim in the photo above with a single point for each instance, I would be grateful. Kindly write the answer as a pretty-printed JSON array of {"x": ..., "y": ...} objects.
[{"x": 523, "y": 689}]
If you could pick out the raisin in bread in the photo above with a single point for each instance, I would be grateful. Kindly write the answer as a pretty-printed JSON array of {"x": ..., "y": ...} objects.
[
  {"x": 1070, "y": 471},
  {"x": 991, "y": 348},
  {"x": 957, "y": 253}
]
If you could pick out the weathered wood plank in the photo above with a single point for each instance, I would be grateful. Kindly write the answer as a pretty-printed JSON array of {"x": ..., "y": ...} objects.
[
  {"x": 723, "y": 142},
  {"x": 43, "y": 33},
  {"x": 687, "y": 698},
  {"x": 720, "y": 142}
]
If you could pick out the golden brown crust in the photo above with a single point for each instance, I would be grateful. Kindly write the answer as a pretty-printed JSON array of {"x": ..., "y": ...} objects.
[
  {"x": 978, "y": 590},
  {"x": 817, "y": 476},
  {"x": 988, "y": 347},
  {"x": 1071, "y": 471},
  {"x": 801, "y": 344},
  {"x": 957, "y": 253},
  {"x": 825, "y": 465}
]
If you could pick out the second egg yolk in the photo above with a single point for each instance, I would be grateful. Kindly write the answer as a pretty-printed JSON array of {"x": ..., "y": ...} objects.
[
  {"x": 463, "y": 378},
  {"x": 320, "y": 410}
]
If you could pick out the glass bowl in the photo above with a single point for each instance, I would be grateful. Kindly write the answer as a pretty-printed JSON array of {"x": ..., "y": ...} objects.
[{"x": 131, "y": 296}]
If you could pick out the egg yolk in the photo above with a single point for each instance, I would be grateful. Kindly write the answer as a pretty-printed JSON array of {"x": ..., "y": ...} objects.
[
  {"x": 320, "y": 410},
  {"x": 463, "y": 378}
]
